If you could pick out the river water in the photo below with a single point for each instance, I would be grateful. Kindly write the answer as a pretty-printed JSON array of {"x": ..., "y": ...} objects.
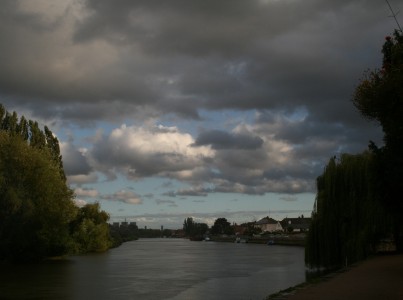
[{"x": 172, "y": 269}]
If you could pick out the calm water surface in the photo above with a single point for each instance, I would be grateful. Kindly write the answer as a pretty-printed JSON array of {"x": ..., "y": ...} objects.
[{"x": 171, "y": 269}]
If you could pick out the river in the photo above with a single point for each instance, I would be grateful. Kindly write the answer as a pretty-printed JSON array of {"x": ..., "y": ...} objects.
[{"x": 172, "y": 269}]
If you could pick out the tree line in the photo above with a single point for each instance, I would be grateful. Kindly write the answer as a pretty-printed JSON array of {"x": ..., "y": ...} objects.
[
  {"x": 38, "y": 217},
  {"x": 194, "y": 229},
  {"x": 358, "y": 201}
]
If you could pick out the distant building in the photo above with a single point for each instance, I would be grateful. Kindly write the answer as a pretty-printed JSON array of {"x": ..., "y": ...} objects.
[
  {"x": 268, "y": 225},
  {"x": 299, "y": 224},
  {"x": 123, "y": 225},
  {"x": 115, "y": 224}
]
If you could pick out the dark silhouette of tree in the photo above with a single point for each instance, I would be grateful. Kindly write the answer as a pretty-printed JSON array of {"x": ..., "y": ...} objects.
[
  {"x": 358, "y": 198},
  {"x": 188, "y": 226},
  {"x": 379, "y": 97},
  {"x": 222, "y": 226},
  {"x": 348, "y": 219},
  {"x": 193, "y": 229}
]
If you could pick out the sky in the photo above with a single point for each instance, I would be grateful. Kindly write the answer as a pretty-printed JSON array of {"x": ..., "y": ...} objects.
[{"x": 172, "y": 109}]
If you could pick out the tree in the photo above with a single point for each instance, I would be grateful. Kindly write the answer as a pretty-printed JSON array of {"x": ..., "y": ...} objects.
[
  {"x": 193, "y": 229},
  {"x": 222, "y": 226},
  {"x": 53, "y": 145},
  {"x": 36, "y": 205},
  {"x": 348, "y": 219},
  {"x": 90, "y": 230},
  {"x": 189, "y": 226},
  {"x": 38, "y": 218},
  {"x": 201, "y": 229},
  {"x": 379, "y": 97}
]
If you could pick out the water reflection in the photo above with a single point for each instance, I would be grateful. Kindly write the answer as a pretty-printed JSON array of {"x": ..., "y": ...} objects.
[{"x": 161, "y": 269}]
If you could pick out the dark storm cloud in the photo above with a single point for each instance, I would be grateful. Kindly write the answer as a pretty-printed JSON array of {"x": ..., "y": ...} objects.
[
  {"x": 186, "y": 55},
  {"x": 74, "y": 162},
  {"x": 195, "y": 192},
  {"x": 295, "y": 63},
  {"x": 223, "y": 140}
]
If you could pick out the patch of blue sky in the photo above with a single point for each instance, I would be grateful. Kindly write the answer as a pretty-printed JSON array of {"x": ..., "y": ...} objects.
[
  {"x": 218, "y": 120},
  {"x": 298, "y": 114}
]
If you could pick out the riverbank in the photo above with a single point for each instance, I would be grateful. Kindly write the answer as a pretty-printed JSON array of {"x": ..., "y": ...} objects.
[
  {"x": 379, "y": 277},
  {"x": 285, "y": 240}
]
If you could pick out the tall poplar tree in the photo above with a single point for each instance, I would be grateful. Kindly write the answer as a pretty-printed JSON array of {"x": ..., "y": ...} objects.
[
  {"x": 36, "y": 205},
  {"x": 38, "y": 218}
]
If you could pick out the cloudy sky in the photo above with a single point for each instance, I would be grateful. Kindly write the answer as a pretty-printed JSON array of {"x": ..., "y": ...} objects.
[{"x": 204, "y": 108}]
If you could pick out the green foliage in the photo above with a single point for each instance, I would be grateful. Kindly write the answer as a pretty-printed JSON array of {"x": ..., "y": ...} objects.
[
  {"x": 35, "y": 203},
  {"x": 188, "y": 225},
  {"x": 193, "y": 229},
  {"x": 123, "y": 232},
  {"x": 90, "y": 230},
  {"x": 348, "y": 219},
  {"x": 222, "y": 226},
  {"x": 38, "y": 218},
  {"x": 30, "y": 132}
]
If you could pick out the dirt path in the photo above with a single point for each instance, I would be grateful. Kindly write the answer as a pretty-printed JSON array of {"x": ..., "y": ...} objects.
[{"x": 380, "y": 277}]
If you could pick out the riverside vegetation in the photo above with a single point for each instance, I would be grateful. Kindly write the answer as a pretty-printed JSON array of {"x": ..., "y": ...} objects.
[
  {"x": 38, "y": 218},
  {"x": 358, "y": 200}
]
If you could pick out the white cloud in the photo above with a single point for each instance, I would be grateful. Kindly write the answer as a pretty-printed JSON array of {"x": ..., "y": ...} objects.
[
  {"x": 156, "y": 139},
  {"x": 83, "y": 179},
  {"x": 80, "y": 202},
  {"x": 85, "y": 192},
  {"x": 148, "y": 151},
  {"x": 128, "y": 197}
]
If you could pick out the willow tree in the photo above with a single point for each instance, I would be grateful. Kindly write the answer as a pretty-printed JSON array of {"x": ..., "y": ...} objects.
[
  {"x": 379, "y": 97},
  {"x": 347, "y": 220}
]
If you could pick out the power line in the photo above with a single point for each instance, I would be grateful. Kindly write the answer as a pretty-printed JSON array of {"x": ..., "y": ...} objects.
[{"x": 394, "y": 15}]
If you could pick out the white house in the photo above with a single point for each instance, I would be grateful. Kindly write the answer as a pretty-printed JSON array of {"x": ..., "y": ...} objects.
[{"x": 269, "y": 225}]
